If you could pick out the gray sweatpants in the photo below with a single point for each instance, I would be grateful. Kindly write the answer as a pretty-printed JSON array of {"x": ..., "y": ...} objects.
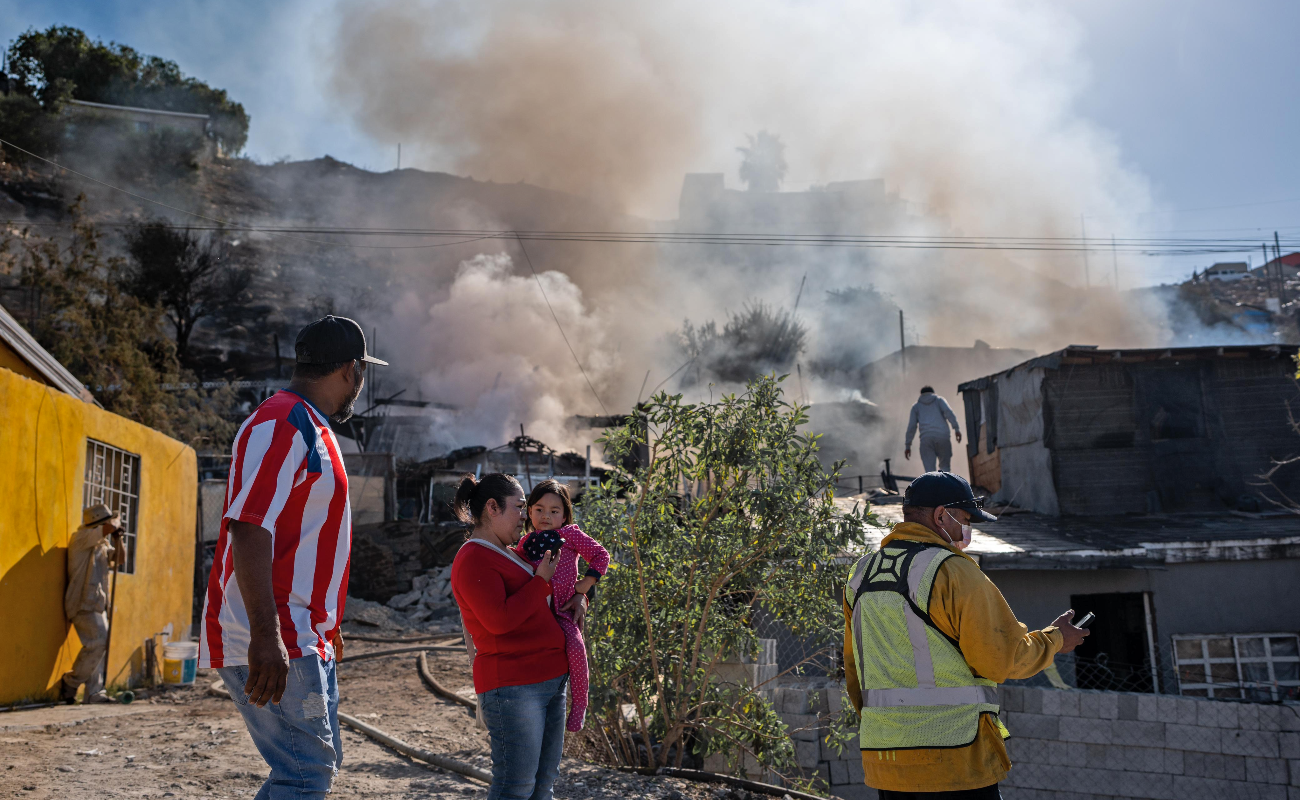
[
  {"x": 92, "y": 629},
  {"x": 940, "y": 449}
]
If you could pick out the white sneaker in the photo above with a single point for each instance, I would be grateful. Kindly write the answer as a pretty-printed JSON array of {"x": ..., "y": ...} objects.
[{"x": 98, "y": 697}]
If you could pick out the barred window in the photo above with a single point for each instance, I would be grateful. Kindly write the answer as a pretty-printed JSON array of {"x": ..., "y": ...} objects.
[
  {"x": 113, "y": 478},
  {"x": 1253, "y": 666}
]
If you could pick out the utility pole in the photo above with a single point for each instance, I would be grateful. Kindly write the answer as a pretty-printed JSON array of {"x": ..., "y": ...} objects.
[
  {"x": 902, "y": 343},
  {"x": 1268, "y": 273},
  {"x": 1114, "y": 257},
  {"x": 1281, "y": 276},
  {"x": 1087, "y": 281}
]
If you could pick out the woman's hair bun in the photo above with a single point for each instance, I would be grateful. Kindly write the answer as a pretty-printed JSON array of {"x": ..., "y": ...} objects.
[{"x": 472, "y": 495}]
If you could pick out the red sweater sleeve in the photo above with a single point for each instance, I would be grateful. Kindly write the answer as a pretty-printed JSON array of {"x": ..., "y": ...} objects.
[
  {"x": 596, "y": 556},
  {"x": 498, "y": 612}
]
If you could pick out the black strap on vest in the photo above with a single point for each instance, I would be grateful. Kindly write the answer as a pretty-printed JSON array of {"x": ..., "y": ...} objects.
[{"x": 897, "y": 568}]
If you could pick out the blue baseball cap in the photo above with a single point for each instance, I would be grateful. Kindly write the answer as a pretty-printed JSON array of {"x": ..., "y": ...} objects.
[{"x": 934, "y": 489}]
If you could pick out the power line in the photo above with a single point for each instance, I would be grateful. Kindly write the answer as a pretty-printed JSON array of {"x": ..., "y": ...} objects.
[
  {"x": 1141, "y": 246},
  {"x": 576, "y": 360}
]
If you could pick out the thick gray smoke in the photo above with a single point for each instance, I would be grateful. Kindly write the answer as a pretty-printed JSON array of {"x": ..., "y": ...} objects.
[{"x": 966, "y": 110}]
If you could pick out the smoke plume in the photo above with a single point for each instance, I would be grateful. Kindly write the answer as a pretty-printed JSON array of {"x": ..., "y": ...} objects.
[{"x": 966, "y": 110}]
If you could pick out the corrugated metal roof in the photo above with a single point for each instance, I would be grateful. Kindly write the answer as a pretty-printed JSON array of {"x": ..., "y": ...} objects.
[{"x": 22, "y": 343}]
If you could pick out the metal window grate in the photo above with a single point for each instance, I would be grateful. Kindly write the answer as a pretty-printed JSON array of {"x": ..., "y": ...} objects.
[
  {"x": 1256, "y": 666},
  {"x": 113, "y": 478}
]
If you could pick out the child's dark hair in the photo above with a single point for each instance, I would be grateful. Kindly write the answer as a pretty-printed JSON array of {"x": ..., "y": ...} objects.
[
  {"x": 472, "y": 495},
  {"x": 551, "y": 486}
]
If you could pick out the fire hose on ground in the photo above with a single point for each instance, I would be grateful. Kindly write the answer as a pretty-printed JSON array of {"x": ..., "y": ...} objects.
[
  {"x": 218, "y": 689},
  {"x": 452, "y": 765}
]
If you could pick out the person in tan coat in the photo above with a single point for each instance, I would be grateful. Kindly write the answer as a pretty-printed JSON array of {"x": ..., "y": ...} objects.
[{"x": 92, "y": 552}]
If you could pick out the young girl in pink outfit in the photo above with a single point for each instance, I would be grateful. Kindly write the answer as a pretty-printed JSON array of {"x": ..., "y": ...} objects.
[{"x": 550, "y": 522}]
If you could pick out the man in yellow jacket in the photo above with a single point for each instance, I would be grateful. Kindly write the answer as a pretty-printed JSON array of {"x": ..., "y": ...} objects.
[{"x": 927, "y": 638}]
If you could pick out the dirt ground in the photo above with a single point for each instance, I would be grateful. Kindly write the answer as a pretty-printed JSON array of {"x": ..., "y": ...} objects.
[{"x": 182, "y": 742}]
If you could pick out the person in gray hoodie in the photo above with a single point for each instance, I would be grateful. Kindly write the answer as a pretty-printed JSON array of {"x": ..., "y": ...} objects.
[{"x": 932, "y": 415}]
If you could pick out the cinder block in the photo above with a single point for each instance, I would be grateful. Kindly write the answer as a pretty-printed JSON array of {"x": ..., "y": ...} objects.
[
  {"x": 1193, "y": 738},
  {"x": 1195, "y": 765},
  {"x": 1148, "y": 786},
  {"x": 807, "y": 754},
  {"x": 1217, "y": 715},
  {"x": 1173, "y": 761},
  {"x": 839, "y": 773},
  {"x": 1034, "y": 726},
  {"x": 1070, "y": 703},
  {"x": 1108, "y": 705},
  {"x": 836, "y": 699},
  {"x": 1148, "y": 708},
  {"x": 1098, "y": 756},
  {"x": 1288, "y": 745},
  {"x": 1295, "y": 772},
  {"x": 1052, "y": 702},
  {"x": 855, "y": 792},
  {"x": 1248, "y": 717},
  {"x": 1266, "y": 770},
  {"x": 819, "y": 701},
  {"x": 824, "y": 774},
  {"x": 1090, "y": 705},
  {"x": 1251, "y": 743},
  {"x": 1083, "y": 729},
  {"x": 1167, "y": 709},
  {"x": 1032, "y": 700},
  {"x": 1187, "y": 710},
  {"x": 1288, "y": 719},
  {"x": 1061, "y": 753},
  {"x": 856, "y": 774},
  {"x": 1009, "y": 697},
  {"x": 803, "y": 727},
  {"x": 1270, "y": 717},
  {"x": 1234, "y": 768},
  {"x": 1186, "y": 787},
  {"x": 1293, "y": 793},
  {"x": 794, "y": 701},
  {"x": 1128, "y": 706},
  {"x": 1146, "y": 734},
  {"x": 1143, "y": 759}
]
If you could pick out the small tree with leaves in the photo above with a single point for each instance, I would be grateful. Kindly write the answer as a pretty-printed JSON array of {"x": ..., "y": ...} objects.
[
  {"x": 762, "y": 166},
  {"x": 730, "y": 514}
]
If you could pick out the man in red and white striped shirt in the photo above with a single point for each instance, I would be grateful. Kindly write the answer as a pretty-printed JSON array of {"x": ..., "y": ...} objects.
[{"x": 275, "y": 595}]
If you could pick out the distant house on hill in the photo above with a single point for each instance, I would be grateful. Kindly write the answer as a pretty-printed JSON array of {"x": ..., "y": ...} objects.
[
  {"x": 1226, "y": 271},
  {"x": 1290, "y": 264},
  {"x": 141, "y": 120}
]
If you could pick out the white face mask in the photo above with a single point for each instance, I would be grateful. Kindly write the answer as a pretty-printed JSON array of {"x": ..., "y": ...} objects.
[{"x": 965, "y": 533}]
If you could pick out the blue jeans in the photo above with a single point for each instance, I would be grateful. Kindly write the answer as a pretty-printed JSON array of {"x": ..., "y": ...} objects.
[
  {"x": 526, "y": 725},
  {"x": 299, "y": 737}
]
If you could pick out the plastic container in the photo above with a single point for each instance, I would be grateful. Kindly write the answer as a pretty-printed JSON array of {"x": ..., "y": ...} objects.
[{"x": 180, "y": 662}]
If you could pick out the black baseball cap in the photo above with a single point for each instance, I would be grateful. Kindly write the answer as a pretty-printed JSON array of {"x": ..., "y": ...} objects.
[
  {"x": 332, "y": 340},
  {"x": 945, "y": 489}
]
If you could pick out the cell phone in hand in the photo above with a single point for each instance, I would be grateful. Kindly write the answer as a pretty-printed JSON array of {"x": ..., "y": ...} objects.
[{"x": 1086, "y": 621}]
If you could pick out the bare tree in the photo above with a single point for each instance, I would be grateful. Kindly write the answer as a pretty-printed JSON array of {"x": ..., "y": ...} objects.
[
  {"x": 763, "y": 167},
  {"x": 191, "y": 275}
]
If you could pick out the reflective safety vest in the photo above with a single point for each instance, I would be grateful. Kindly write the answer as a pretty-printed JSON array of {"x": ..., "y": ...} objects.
[{"x": 917, "y": 690}]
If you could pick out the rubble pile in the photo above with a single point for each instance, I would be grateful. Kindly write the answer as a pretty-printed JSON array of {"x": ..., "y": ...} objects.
[
  {"x": 428, "y": 607},
  {"x": 429, "y": 598}
]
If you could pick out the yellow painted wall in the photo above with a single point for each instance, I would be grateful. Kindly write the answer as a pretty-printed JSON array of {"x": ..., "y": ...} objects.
[{"x": 43, "y": 435}]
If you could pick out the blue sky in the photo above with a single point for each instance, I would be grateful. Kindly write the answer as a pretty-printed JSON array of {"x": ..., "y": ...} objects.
[{"x": 1200, "y": 95}]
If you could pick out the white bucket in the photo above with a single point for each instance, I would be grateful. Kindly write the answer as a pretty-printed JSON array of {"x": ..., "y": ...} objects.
[{"x": 180, "y": 662}]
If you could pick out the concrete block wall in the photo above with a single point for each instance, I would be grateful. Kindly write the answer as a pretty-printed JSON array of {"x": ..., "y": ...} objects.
[
  {"x": 1094, "y": 745},
  {"x": 1083, "y": 745}
]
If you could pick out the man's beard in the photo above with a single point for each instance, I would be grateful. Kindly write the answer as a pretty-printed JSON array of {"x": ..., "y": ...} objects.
[{"x": 345, "y": 411}]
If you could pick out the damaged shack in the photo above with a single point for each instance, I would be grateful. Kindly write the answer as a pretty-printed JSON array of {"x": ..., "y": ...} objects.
[
  {"x": 1132, "y": 484},
  {"x": 1088, "y": 431}
]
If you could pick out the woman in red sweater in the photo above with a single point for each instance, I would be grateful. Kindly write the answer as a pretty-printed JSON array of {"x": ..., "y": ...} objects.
[{"x": 521, "y": 671}]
